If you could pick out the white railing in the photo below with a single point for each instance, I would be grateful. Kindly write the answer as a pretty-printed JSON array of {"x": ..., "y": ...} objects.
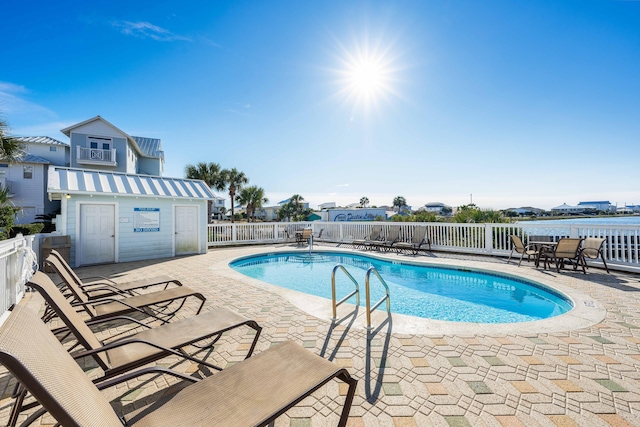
[
  {"x": 622, "y": 246},
  {"x": 96, "y": 156},
  {"x": 14, "y": 261}
]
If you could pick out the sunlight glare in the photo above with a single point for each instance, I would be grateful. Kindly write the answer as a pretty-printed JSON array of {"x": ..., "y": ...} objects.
[{"x": 366, "y": 75}]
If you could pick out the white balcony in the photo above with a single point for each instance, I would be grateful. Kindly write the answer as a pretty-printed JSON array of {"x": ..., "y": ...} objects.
[{"x": 96, "y": 156}]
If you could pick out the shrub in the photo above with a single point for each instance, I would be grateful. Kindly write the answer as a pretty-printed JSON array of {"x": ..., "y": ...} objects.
[{"x": 26, "y": 229}]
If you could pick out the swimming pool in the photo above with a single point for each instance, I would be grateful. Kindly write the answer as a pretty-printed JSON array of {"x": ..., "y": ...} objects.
[{"x": 459, "y": 295}]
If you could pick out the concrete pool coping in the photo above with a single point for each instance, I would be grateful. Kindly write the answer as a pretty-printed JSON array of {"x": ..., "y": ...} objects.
[{"x": 586, "y": 310}]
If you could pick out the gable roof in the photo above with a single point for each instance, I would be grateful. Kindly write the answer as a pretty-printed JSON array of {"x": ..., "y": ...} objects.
[
  {"x": 86, "y": 181},
  {"x": 147, "y": 147},
  {"x": 41, "y": 140}
]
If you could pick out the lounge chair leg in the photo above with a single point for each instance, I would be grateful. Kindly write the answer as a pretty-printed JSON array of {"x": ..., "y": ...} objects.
[{"x": 344, "y": 417}]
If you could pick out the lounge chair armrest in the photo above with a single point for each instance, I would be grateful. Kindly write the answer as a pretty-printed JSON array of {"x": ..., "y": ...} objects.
[
  {"x": 101, "y": 385},
  {"x": 95, "y": 278},
  {"x": 122, "y": 343}
]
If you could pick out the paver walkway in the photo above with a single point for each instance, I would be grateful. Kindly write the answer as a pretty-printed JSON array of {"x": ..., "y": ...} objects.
[{"x": 584, "y": 377}]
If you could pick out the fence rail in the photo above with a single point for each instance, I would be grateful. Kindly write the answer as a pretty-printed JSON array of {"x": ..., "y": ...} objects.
[
  {"x": 622, "y": 246},
  {"x": 14, "y": 261}
]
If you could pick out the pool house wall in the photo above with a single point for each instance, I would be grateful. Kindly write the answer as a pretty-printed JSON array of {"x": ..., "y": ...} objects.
[{"x": 621, "y": 249}]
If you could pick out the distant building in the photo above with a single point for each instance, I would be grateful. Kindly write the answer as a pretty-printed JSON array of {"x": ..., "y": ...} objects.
[
  {"x": 567, "y": 209},
  {"x": 216, "y": 208},
  {"x": 268, "y": 213},
  {"x": 603, "y": 206},
  {"x": 438, "y": 208},
  {"x": 526, "y": 210},
  {"x": 327, "y": 205}
]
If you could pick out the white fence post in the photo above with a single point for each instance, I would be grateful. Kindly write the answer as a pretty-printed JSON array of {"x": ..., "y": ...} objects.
[{"x": 488, "y": 237}]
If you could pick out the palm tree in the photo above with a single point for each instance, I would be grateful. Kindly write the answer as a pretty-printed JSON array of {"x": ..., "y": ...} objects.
[
  {"x": 252, "y": 197},
  {"x": 234, "y": 179},
  {"x": 11, "y": 149},
  {"x": 399, "y": 202},
  {"x": 364, "y": 201},
  {"x": 211, "y": 174}
]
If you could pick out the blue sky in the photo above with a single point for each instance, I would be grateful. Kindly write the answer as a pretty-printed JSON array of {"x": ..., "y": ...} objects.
[{"x": 528, "y": 103}]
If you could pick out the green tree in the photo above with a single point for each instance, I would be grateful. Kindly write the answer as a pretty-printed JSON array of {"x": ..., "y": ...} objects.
[
  {"x": 211, "y": 174},
  {"x": 7, "y": 214},
  {"x": 471, "y": 213},
  {"x": 11, "y": 149},
  {"x": 364, "y": 201},
  {"x": 252, "y": 197},
  {"x": 294, "y": 209},
  {"x": 234, "y": 180},
  {"x": 400, "y": 203}
]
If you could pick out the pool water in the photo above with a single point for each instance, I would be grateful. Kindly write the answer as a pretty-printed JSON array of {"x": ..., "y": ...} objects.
[{"x": 429, "y": 292}]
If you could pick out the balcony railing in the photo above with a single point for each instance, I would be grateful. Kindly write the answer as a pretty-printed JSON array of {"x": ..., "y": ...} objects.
[
  {"x": 621, "y": 251},
  {"x": 96, "y": 156}
]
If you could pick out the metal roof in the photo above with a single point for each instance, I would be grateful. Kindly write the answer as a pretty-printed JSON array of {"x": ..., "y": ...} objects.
[
  {"x": 150, "y": 147},
  {"x": 41, "y": 140},
  {"x": 30, "y": 158},
  {"x": 84, "y": 181}
]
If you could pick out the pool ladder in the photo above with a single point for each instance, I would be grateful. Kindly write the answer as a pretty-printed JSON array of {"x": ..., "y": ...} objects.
[{"x": 356, "y": 292}]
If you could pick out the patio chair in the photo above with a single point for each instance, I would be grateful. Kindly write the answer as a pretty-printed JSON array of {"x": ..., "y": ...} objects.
[
  {"x": 100, "y": 286},
  {"x": 376, "y": 233},
  {"x": 304, "y": 236},
  {"x": 253, "y": 392},
  {"x": 164, "y": 301},
  {"x": 417, "y": 240},
  {"x": 520, "y": 248},
  {"x": 567, "y": 250},
  {"x": 390, "y": 239},
  {"x": 132, "y": 351},
  {"x": 592, "y": 248}
]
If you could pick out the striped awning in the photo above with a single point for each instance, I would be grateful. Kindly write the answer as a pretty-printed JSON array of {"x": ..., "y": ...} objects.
[{"x": 84, "y": 181}]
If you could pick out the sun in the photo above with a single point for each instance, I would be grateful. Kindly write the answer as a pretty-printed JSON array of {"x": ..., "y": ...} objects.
[{"x": 366, "y": 75}]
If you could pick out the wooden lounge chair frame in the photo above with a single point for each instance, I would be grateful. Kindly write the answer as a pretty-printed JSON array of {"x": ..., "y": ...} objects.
[
  {"x": 519, "y": 247},
  {"x": 253, "y": 392},
  {"x": 100, "y": 286},
  {"x": 163, "y": 301}
]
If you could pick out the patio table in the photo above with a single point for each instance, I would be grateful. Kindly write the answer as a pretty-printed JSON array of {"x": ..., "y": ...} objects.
[{"x": 540, "y": 246}]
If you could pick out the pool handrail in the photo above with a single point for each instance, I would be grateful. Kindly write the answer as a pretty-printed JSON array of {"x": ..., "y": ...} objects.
[
  {"x": 355, "y": 292},
  {"x": 387, "y": 297}
]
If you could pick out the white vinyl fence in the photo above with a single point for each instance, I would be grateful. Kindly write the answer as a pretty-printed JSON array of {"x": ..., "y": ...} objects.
[
  {"x": 16, "y": 263},
  {"x": 621, "y": 247}
]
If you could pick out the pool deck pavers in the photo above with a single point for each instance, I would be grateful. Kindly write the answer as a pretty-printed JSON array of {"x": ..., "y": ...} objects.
[{"x": 567, "y": 372}]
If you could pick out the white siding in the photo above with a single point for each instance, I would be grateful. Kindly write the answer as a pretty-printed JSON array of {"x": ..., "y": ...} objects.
[
  {"x": 59, "y": 157},
  {"x": 29, "y": 193},
  {"x": 99, "y": 128},
  {"x": 134, "y": 246}
]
